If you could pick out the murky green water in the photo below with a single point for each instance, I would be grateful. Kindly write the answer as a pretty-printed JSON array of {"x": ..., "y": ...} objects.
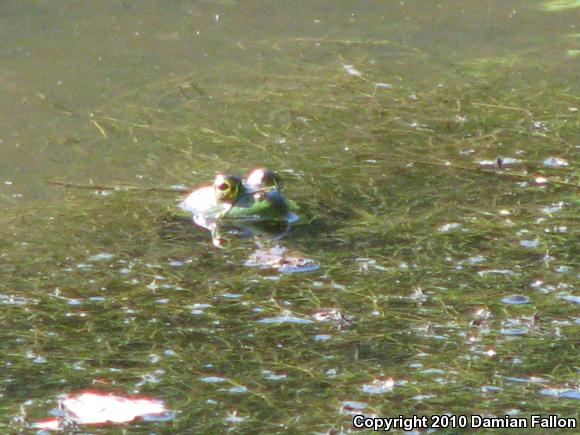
[{"x": 446, "y": 285}]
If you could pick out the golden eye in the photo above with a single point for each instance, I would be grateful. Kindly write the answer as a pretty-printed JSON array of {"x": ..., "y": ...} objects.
[
  {"x": 226, "y": 187},
  {"x": 231, "y": 192}
]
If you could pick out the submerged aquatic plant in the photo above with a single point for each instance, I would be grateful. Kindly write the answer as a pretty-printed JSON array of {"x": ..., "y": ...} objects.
[{"x": 560, "y": 5}]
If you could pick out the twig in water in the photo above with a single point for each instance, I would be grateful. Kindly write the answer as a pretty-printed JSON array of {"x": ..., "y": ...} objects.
[
  {"x": 499, "y": 106},
  {"x": 449, "y": 165},
  {"x": 101, "y": 129},
  {"x": 119, "y": 187}
]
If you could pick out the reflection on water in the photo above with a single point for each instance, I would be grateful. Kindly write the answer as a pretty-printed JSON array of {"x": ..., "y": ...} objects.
[{"x": 432, "y": 147}]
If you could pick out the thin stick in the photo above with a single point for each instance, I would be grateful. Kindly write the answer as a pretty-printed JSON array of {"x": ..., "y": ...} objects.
[
  {"x": 119, "y": 187},
  {"x": 514, "y": 175},
  {"x": 500, "y": 106},
  {"x": 101, "y": 129},
  {"x": 329, "y": 41},
  {"x": 57, "y": 105}
]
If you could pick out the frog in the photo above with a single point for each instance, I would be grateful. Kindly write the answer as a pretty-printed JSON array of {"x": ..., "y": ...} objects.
[
  {"x": 268, "y": 184},
  {"x": 229, "y": 198}
]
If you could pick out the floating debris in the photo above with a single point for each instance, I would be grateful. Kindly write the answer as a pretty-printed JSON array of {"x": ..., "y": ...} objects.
[
  {"x": 234, "y": 418},
  {"x": 97, "y": 408},
  {"x": 282, "y": 260},
  {"x": 366, "y": 264},
  {"x": 327, "y": 315},
  {"x": 508, "y": 161},
  {"x": 490, "y": 352},
  {"x": 332, "y": 315},
  {"x": 351, "y": 70},
  {"x": 500, "y": 162},
  {"x": 555, "y": 162},
  {"x": 539, "y": 125},
  {"x": 450, "y": 227},
  {"x": 381, "y": 386}
]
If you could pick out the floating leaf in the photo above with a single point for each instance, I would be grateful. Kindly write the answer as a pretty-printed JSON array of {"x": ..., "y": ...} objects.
[
  {"x": 96, "y": 407},
  {"x": 282, "y": 260}
]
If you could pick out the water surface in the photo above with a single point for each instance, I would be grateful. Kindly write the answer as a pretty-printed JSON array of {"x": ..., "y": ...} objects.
[{"x": 447, "y": 280}]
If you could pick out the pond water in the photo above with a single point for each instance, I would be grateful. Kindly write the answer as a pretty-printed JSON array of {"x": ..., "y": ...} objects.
[{"x": 433, "y": 150}]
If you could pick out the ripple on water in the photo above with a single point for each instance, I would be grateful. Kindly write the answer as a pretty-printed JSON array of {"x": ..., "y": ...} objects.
[
  {"x": 238, "y": 389},
  {"x": 285, "y": 318},
  {"x": 554, "y": 208},
  {"x": 541, "y": 287},
  {"x": 231, "y": 295},
  {"x": 15, "y": 300},
  {"x": 566, "y": 393},
  {"x": 514, "y": 331},
  {"x": 197, "y": 309},
  {"x": 422, "y": 397},
  {"x": 379, "y": 386},
  {"x": 569, "y": 298},
  {"x": 234, "y": 418},
  {"x": 490, "y": 388},
  {"x": 497, "y": 272},
  {"x": 212, "y": 379},
  {"x": 350, "y": 407},
  {"x": 530, "y": 380},
  {"x": 271, "y": 376},
  {"x": 562, "y": 269},
  {"x": 516, "y": 300},
  {"x": 477, "y": 259},
  {"x": 555, "y": 162},
  {"x": 530, "y": 243},
  {"x": 176, "y": 263},
  {"x": 101, "y": 256}
]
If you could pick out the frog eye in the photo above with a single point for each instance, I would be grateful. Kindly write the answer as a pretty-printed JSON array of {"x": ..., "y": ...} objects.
[
  {"x": 256, "y": 177},
  {"x": 226, "y": 187},
  {"x": 264, "y": 177}
]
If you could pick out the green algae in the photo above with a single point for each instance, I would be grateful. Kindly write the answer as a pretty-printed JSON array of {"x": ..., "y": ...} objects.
[
  {"x": 419, "y": 246},
  {"x": 560, "y": 5}
]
